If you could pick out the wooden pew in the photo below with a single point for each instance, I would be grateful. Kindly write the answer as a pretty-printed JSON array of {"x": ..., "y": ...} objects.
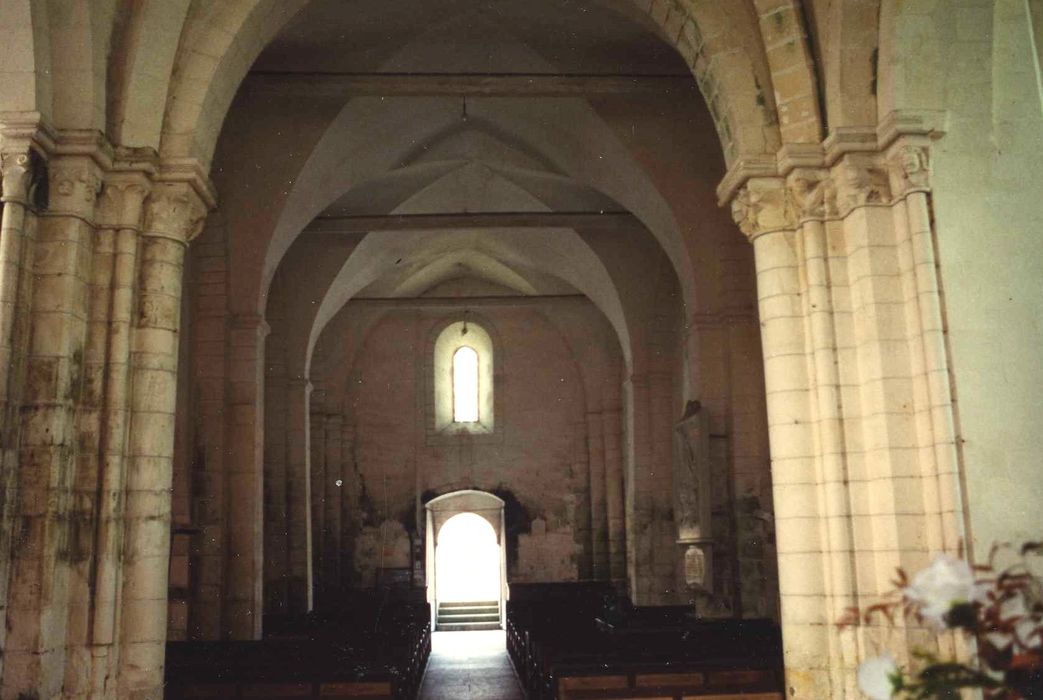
[
  {"x": 562, "y": 648},
  {"x": 360, "y": 653}
]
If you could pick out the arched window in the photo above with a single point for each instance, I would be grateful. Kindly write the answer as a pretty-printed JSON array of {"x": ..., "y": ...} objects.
[
  {"x": 465, "y": 385},
  {"x": 463, "y": 380}
]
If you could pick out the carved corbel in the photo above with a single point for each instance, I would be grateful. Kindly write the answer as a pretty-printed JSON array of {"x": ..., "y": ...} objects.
[
  {"x": 860, "y": 182},
  {"x": 174, "y": 211},
  {"x": 761, "y": 206},
  {"x": 909, "y": 167}
]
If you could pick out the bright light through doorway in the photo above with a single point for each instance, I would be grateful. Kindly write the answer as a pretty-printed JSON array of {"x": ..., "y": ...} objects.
[
  {"x": 467, "y": 560},
  {"x": 465, "y": 385}
]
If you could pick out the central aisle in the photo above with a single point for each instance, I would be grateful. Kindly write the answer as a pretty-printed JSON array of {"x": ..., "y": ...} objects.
[{"x": 469, "y": 666}]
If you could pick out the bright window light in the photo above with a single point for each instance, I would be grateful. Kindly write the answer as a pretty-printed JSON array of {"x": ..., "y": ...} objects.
[{"x": 465, "y": 385}]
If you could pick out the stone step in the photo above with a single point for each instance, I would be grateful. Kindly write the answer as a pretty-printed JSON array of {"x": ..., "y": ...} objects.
[
  {"x": 466, "y": 626},
  {"x": 470, "y": 609},
  {"x": 471, "y": 604},
  {"x": 489, "y": 617}
]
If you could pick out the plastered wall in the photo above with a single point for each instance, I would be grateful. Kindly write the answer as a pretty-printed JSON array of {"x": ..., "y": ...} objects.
[{"x": 538, "y": 455}]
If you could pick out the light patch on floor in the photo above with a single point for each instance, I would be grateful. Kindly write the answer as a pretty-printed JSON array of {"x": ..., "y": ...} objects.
[{"x": 471, "y": 666}]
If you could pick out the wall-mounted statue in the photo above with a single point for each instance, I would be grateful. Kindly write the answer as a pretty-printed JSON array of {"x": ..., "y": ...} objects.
[{"x": 692, "y": 495}]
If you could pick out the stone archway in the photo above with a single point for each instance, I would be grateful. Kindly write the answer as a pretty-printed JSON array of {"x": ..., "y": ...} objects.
[{"x": 447, "y": 507}]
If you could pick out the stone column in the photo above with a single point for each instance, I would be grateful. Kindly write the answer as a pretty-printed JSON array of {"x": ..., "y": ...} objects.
[
  {"x": 123, "y": 200},
  {"x": 580, "y": 466},
  {"x": 615, "y": 507},
  {"x": 334, "y": 488},
  {"x": 276, "y": 515},
  {"x": 598, "y": 509},
  {"x": 210, "y": 402},
  {"x": 639, "y": 477},
  {"x": 348, "y": 502},
  {"x": 17, "y": 164},
  {"x": 174, "y": 215},
  {"x": 243, "y": 603},
  {"x": 298, "y": 487},
  {"x": 909, "y": 169},
  {"x": 49, "y": 543},
  {"x": 860, "y": 419},
  {"x": 317, "y": 478},
  {"x": 760, "y": 210}
]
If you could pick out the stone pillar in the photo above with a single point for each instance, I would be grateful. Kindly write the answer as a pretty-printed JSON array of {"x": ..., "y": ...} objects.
[
  {"x": 298, "y": 488},
  {"x": 348, "y": 502},
  {"x": 317, "y": 488},
  {"x": 598, "y": 509},
  {"x": 580, "y": 466},
  {"x": 615, "y": 507},
  {"x": 860, "y": 420},
  {"x": 243, "y": 603},
  {"x": 334, "y": 485},
  {"x": 173, "y": 217},
  {"x": 17, "y": 163},
  {"x": 49, "y": 542},
  {"x": 642, "y": 576},
  {"x": 116, "y": 269},
  {"x": 909, "y": 170},
  {"x": 276, "y": 515},
  {"x": 210, "y": 403}
]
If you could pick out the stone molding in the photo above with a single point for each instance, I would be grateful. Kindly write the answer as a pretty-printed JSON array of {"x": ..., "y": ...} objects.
[
  {"x": 82, "y": 161},
  {"x": 853, "y": 167},
  {"x": 857, "y": 179}
]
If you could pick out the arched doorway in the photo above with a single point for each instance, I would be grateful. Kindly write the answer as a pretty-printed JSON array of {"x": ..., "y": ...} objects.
[{"x": 466, "y": 561}]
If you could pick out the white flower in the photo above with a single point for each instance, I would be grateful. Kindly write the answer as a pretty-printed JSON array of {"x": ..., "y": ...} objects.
[
  {"x": 947, "y": 582},
  {"x": 877, "y": 677}
]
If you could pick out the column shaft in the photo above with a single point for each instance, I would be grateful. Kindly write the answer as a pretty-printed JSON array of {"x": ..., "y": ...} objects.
[
  {"x": 598, "y": 509},
  {"x": 173, "y": 216},
  {"x": 298, "y": 487},
  {"x": 51, "y": 543},
  {"x": 242, "y": 610},
  {"x": 333, "y": 488},
  {"x": 17, "y": 232}
]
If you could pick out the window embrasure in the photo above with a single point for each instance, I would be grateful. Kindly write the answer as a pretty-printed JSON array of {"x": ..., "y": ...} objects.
[{"x": 463, "y": 379}]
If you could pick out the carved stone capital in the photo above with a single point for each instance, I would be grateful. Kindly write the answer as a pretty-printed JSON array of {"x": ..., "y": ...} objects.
[
  {"x": 860, "y": 180},
  {"x": 761, "y": 206},
  {"x": 123, "y": 201},
  {"x": 909, "y": 167},
  {"x": 811, "y": 193},
  {"x": 174, "y": 211},
  {"x": 75, "y": 184},
  {"x": 16, "y": 167}
]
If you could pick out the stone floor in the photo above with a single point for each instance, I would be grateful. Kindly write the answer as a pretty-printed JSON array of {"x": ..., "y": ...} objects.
[{"x": 470, "y": 666}]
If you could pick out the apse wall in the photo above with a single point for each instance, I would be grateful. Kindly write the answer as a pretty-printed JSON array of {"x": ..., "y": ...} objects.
[{"x": 537, "y": 459}]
